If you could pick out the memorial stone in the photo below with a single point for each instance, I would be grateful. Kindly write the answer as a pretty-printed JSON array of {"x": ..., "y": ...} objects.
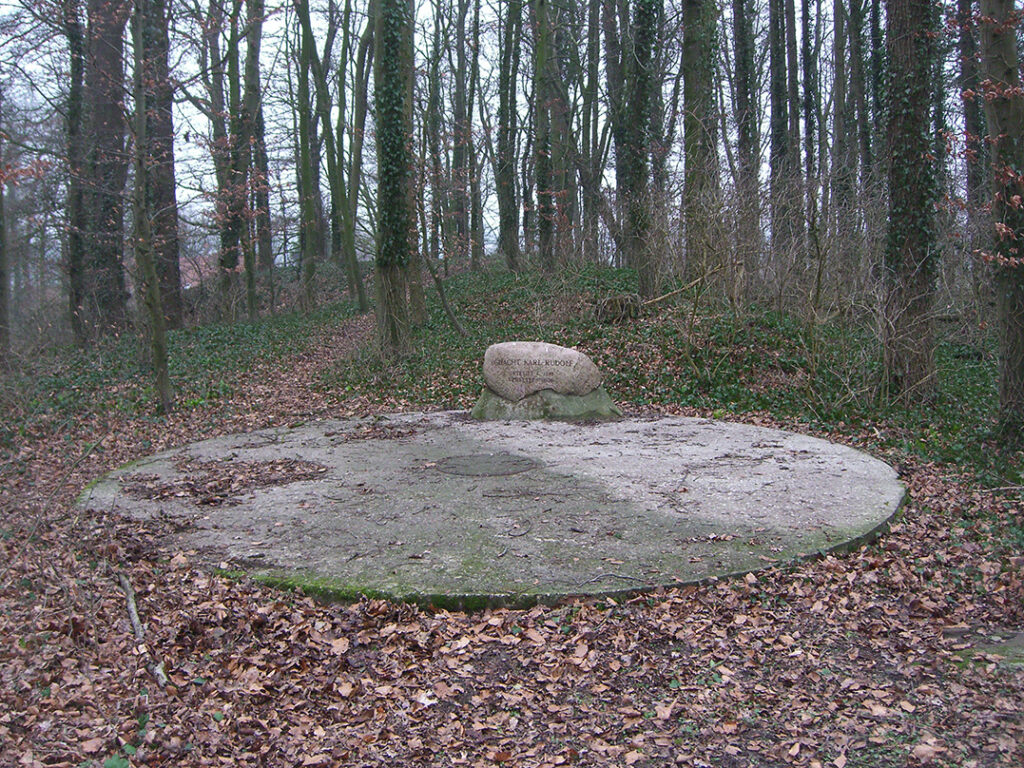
[{"x": 536, "y": 380}]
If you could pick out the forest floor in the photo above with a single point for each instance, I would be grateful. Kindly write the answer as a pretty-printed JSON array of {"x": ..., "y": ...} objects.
[{"x": 889, "y": 656}]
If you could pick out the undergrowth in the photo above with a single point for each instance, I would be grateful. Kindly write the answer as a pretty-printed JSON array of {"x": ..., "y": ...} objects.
[{"x": 686, "y": 352}]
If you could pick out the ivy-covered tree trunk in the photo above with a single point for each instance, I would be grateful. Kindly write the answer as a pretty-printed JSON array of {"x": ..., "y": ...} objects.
[
  {"x": 911, "y": 254},
  {"x": 395, "y": 226},
  {"x": 1004, "y": 111}
]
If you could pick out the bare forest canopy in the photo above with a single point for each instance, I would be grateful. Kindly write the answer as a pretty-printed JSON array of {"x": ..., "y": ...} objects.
[{"x": 172, "y": 162}]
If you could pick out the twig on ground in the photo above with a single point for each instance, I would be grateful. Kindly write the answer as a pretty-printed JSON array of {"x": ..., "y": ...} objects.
[
  {"x": 529, "y": 527},
  {"x": 156, "y": 669},
  {"x": 601, "y": 576}
]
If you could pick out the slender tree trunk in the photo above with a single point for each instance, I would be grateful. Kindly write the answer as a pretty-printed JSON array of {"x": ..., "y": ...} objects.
[
  {"x": 911, "y": 255},
  {"x": 542, "y": 136},
  {"x": 414, "y": 268},
  {"x": 261, "y": 208},
  {"x": 5, "y": 276},
  {"x": 505, "y": 167},
  {"x": 1004, "y": 112},
  {"x": 591, "y": 159},
  {"x": 640, "y": 87},
  {"x": 249, "y": 116},
  {"x": 394, "y": 166},
  {"x": 476, "y": 222},
  {"x": 74, "y": 139},
  {"x": 747, "y": 146},
  {"x": 364, "y": 64},
  {"x": 310, "y": 222},
  {"x": 976, "y": 149}
]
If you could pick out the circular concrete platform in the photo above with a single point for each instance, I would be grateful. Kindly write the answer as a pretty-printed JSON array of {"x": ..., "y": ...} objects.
[{"x": 440, "y": 509}]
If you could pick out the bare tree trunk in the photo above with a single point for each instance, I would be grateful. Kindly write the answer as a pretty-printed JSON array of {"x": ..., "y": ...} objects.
[
  {"x": 261, "y": 206},
  {"x": 700, "y": 190},
  {"x": 505, "y": 167},
  {"x": 976, "y": 149},
  {"x": 591, "y": 155},
  {"x": 106, "y": 293},
  {"x": 145, "y": 257},
  {"x": 640, "y": 87},
  {"x": 5, "y": 322},
  {"x": 76, "y": 213},
  {"x": 747, "y": 145},
  {"x": 543, "y": 96},
  {"x": 414, "y": 277},
  {"x": 364, "y": 63},
  {"x": 307, "y": 203},
  {"x": 161, "y": 184}
]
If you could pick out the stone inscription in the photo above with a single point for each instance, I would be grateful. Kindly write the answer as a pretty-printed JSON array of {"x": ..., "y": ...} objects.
[
  {"x": 532, "y": 371},
  {"x": 517, "y": 369}
]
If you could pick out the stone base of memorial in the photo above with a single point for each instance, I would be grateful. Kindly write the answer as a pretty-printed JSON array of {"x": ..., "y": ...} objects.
[{"x": 547, "y": 404}]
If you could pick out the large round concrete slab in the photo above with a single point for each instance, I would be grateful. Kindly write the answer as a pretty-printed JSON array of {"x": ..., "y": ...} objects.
[{"x": 439, "y": 508}]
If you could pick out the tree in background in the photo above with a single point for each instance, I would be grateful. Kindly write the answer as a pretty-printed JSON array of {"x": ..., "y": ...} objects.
[
  {"x": 395, "y": 225},
  {"x": 5, "y": 323},
  {"x": 1004, "y": 112},
  {"x": 911, "y": 252}
]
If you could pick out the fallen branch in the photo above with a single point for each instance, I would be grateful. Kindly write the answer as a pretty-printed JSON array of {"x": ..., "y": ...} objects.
[
  {"x": 677, "y": 291},
  {"x": 155, "y": 669}
]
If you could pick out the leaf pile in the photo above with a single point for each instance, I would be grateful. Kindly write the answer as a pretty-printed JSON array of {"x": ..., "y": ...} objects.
[
  {"x": 220, "y": 482},
  {"x": 868, "y": 659}
]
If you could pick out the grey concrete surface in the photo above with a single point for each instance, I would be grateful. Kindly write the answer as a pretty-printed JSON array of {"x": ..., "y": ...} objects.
[{"x": 441, "y": 509}]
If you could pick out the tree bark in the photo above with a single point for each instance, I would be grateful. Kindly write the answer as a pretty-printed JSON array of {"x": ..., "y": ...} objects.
[
  {"x": 542, "y": 147},
  {"x": 161, "y": 185},
  {"x": 700, "y": 189},
  {"x": 5, "y": 322},
  {"x": 310, "y": 220},
  {"x": 975, "y": 148},
  {"x": 143, "y": 215},
  {"x": 747, "y": 146},
  {"x": 74, "y": 139},
  {"x": 910, "y": 258},
  {"x": 1004, "y": 112},
  {"x": 505, "y": 167},
  {"x": 106, "y": 299}
]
